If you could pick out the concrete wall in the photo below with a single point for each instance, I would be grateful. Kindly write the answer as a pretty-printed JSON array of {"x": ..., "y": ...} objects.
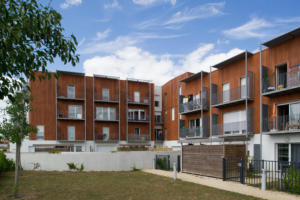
[{"x": 93, "y": 161}]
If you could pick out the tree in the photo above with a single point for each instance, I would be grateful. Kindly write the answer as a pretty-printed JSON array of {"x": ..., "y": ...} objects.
[
  {"x": 16, "y": 127},
  {"x": 31, "y": 37}
]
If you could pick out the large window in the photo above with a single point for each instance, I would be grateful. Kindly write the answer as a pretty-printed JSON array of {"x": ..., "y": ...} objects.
[
  {"x": 105, "y": 94},
  {"x": 40, "y": 132},
  {"x": 136, "y": 114},
  {"x": 105, "y": 133},
  {"x": 71, "y": 91},
  {"x": 75, "y": 111},
  {"x": 71, "y": 133},
  {"x": 234, "y": 122},
  {"x": 105, "y": 113},
  {"x": 136, "y": 96},
  {"x": 226, "y": 92}
]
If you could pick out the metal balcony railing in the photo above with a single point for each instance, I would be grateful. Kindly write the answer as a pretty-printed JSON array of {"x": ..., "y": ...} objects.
[
  {"x": 159, "y": 137},
  {"x": 234, "y": 128},
  {"x": 134, "y": 138},
  {"x": 64, "y": 137},
  {"x": 104, "y": 137},
  {"x": 284, "y": 80},
  {"x": 71, "y": 116},
  {"x": 110, "y": 98},
  {"x": 106, "y": 117},
  {"x": 141, "y": 101},
  {"x": 138, "y": 119},
  {"x": 283, "y": 123},
  {"x": 192, "y": 106},
  {"x": 191, "y": 132},
  {"x": 64, "y": 95}
]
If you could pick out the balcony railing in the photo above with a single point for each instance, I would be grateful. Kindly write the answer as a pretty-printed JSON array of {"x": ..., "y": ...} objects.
[
  {"x": 159, "y": 121},
  {"x": 144, "y": 101},
  {"x": 141, "y": 138},
  {"x": 232, "y": 129},
  {"x": 195, "y": 105},
  {"x": 64, "y": 137},
  {"x": 112, "y": 118},
  {"x": 63, "y": 95},
  {"x": 281, "y": 81},
  {"x": 282, "y": 123},
  {"x": 159, "y": 137},
  {"x": 137, "y": 119},
  {"x": 103, "y": 137},
  {"x": 111, "y": 98},
  {"x": 191, "y": 132},
  {"x": 66, "y": 116}
]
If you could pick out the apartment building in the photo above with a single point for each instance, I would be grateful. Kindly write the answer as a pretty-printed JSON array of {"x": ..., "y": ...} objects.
[
  {"x": 226, "y": 106},
  {"x": 91, "y": 113}
]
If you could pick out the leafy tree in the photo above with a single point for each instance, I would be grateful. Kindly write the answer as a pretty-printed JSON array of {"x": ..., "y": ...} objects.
[
  {"x": 16, "y": 127},
  {"x": 31, "y": 37}
]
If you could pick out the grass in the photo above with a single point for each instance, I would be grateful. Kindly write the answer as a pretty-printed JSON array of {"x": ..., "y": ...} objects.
[{"x": 107, "y": 185}]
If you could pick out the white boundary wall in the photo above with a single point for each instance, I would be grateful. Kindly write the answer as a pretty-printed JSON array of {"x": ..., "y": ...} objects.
[{"x": 93, "y": 161}]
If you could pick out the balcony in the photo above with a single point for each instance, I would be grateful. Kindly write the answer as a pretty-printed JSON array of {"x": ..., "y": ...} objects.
[
  {"x": 193, "y": 133},
  {"x": 64, "y": 137},
  {"x": 282, "y": 125},
  {"x": 233, "y": 96},
  {"x": 106, "y": 118},
  {"x": 285, "y": 80},
  {"x": 159, "y": 121},
  {"x": 74, "y": 117},
  {"x": 232, "y": 129},
  {"x": 138, "y": 120},
  {"x": 159, "y": 137},
  {"x": 107, "y": 138},
  {"x": 194, "y": 105},
  {"x": 144, "y": 101},
  {"x": 141, "y": 138},
  {"x": 64, "y": 96},
  {"x": 111, "y": 99}
]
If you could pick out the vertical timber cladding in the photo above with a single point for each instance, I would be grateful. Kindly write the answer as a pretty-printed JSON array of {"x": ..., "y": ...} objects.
[{"x": 207, "y": 159}]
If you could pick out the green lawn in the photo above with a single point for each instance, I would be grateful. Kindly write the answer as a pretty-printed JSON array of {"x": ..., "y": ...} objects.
[{"x": 107, "y": 185}]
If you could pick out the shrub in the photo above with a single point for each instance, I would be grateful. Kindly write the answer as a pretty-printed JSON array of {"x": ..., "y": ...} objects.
[
  {"x": 6, "y": 164},
  {"x": 134, "y": 169},
  {"x": 54, "y": 151},
  {"x": 292, "y": 180},
  {"x": 162, "y": 163},
  {"x": 73, "y": 166}
]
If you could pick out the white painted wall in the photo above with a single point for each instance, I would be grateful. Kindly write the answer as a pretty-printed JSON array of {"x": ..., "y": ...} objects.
[{"x": 93, "y": 161}]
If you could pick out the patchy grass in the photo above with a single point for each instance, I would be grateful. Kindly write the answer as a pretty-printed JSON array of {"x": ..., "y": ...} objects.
[{"x": 36, "y": 185}]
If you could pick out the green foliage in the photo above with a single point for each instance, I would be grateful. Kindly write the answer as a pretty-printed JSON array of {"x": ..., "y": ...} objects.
[
  {"x": 73, "y": 166},
  {"x": 6, "y": 164},
  {"x": 54, "y": 152},
  {"x": 292, "y": 180},
  {"x": 162, "y": 163},
  {"x": 31, "y": 38},
  {"x": 16, "y": 127},
  {"x": 134, "y": 169}
]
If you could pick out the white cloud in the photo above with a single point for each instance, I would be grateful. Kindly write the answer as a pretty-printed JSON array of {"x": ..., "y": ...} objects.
[
  {"x": 255, "y": 28},
  {"x": 113, "y": 4},
  {"x": 81, "y": 42},
  {"x": 151, "y": 2},
  {"x": 199, "y": 12},
  {"x": 135, "y": 62},
  {"x": 69, "y": 3},
  {"x": 3, "y": 105},
  {"x": 102, "y": 35},
  {"x": 288, "y": 20}
]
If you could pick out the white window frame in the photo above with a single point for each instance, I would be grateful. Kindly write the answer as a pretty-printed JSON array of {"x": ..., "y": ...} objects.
[
  {"x": 40, "y": 132},
  {"x": 132, "y": 112},
  {"x": 77, "y": 111},
  {"x": 137, "y": 96},
  {"x": 71, "y": 94},
  {"x": 71, "y": 137},
  {"x": 105, "y": 94},
  {"x": 105, "y": 113}
]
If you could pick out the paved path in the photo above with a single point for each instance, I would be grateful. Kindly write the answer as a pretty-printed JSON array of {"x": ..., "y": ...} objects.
[{"x": 227, "y": 185}]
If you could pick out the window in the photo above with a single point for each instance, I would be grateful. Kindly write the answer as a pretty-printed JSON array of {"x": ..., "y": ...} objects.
[
  {"x": 283, "y": 152},
  {"x": 105, "y": 94},
  {"x": 105, "y": 113},
  {"x": 166, "y": 99},
  {"x": 75, "y": 112},
  {"x": 136, "y": 114},
  {"x": 136, "y": 96},
  {"x": 157, "y": 118},
  {"x": 166, "y": 133},
  {"x": 136, "y": 131},
  {"x": 173, "y": 114},
  {"x": 71, "y": 91},
  {"x": 243, "y": 87},
  {"x": 166, "y": 115},
  {"x": 281, "y": 76},
  {"x": 226, "y": 92},
  {"x": 234, "y": 122},
  {"x": 78, "y": 148},
  {"x": 179, "y": 90},
  {"x": 40, "y": 132},
  {"x": 71, "y": 133},
  {"x": 156, "y": 103},
  {"x": 105, "y": 133}
]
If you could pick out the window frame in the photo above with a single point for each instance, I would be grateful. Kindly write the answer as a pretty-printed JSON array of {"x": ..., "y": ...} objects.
[
  {"x": 69, "y": 93},
  {"x": 76, "y": 109},
  {"x": 40, "y": 137}
]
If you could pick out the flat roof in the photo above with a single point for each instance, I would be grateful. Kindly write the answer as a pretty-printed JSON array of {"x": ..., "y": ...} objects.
[
  {"x": 282, "y": 38},
  {"x": 104, "y": 76},
  {"x": 232, "y": 60},
  {"x": 194, "y": 76},
  {"x": 71, "y": 73},
  {"x": 138, "y": 80}
]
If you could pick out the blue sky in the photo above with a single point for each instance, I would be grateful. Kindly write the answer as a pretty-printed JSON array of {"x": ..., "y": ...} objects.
[{"x": 160, "y": 39}]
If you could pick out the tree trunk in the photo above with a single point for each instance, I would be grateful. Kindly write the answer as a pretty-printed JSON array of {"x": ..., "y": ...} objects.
[{"x": 18, "y": 146}]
